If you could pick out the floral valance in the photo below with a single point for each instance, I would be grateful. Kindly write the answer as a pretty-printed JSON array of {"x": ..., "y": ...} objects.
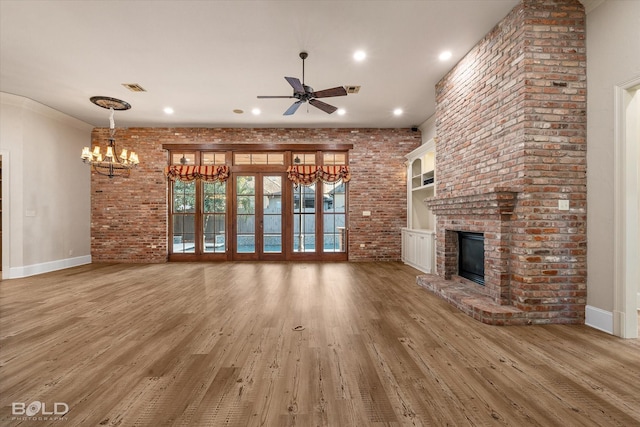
[
  {"x": 308, "y": 174},
  {"x": 189, "y": 173}
]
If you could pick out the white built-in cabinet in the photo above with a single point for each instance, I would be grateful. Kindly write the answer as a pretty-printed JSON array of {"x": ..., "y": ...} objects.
[{"x": 418, "y": 238}]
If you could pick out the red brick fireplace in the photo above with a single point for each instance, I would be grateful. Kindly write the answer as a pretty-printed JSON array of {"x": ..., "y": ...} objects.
[{"x": 511, "y": 144}]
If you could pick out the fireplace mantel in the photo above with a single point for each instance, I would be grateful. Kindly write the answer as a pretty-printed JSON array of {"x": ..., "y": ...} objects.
[{"x": 497, "y": 201}]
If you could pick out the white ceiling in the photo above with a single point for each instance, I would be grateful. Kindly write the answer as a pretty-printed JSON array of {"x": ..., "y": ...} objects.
[{"x": 207, "y": 58}]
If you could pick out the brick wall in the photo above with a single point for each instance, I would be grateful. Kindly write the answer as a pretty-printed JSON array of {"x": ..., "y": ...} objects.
[
  {"x": 129, "y": 215},
  {"x": 511, "y": 116}
]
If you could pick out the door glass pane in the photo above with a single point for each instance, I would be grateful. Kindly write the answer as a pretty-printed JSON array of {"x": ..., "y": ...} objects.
[
  {"x": 184, "y": 197},
  {"x": 245, "y": 216},
  {"x": 304, "y": 218},
  {"x": 334, "y": 208},
  {"x": 272, "y": 214},
  {"x": 213, "y": 220},
  {"x": 184, "y": 234}
]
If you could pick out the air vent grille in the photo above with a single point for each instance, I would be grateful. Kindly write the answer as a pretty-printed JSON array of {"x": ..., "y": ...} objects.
[
  {"x": 352, "y": 89},
  {"x": 134, "y": 87}
]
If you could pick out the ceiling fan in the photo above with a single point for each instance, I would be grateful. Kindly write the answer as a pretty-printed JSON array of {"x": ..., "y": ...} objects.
[{"x": 304, "y": 93}]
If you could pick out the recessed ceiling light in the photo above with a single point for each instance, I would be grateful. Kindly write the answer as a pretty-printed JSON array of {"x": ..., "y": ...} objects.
[
  {"x": 397, "y": 112},
  {"x": 341, "y": 111},
  {"x": 255, "y": 111},
  {"x": 168, "y": 110},
  {"x": 359, "y": 55},
  {"x": 445, "y": 55}
]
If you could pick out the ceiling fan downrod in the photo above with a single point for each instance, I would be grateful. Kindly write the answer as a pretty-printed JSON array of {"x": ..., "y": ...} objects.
[{"x": 303, "y": 56}]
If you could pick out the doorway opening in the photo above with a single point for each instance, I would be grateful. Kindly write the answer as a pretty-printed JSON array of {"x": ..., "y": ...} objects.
[
  {"x": 1, "y": 215},
  {"x": 627, "y": 209}
]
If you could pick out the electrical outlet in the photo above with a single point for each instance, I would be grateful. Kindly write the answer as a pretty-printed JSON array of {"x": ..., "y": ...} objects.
[{"x": 361, "y": 245}]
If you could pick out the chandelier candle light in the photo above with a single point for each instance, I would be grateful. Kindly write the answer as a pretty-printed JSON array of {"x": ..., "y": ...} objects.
[{"x": 110, "y": 164}]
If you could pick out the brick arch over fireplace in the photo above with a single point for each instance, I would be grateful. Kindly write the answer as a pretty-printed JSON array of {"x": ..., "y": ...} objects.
[{"x": 511, "y": 143}]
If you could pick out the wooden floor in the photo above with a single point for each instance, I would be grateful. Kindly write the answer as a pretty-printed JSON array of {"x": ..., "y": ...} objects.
[{"x": 219, "y": 345}]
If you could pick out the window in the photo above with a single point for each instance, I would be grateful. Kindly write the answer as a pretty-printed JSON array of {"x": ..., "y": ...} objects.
[
  {"x": 213, "y": 158},
  {"x": 304, "y": 158},
  {"x": 258, "y": 158},
  {"x": 183, "y": 159},
  {"x": 334, "y": 159}
]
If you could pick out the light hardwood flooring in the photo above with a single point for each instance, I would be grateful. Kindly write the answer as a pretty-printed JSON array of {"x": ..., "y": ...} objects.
[{"x": 194, "y": 344}]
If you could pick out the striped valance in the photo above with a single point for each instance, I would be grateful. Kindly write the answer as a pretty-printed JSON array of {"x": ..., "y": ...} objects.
[
  {"x": 308, "y": 174},
  {"x": 189, "y": 173}
]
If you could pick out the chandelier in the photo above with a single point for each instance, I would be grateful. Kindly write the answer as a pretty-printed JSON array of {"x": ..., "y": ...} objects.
[{"x": 110, "y": 164}]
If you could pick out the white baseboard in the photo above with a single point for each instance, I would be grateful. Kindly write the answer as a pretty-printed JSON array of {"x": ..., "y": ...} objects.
[
  {"x": 599, "y": 319},
  {"x": 45, "y": 267}
]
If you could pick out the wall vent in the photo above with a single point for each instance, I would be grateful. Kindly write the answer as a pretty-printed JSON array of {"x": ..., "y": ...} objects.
[
  {"x": 134, "y": 87},
  {"x": 352, "y": 89}
]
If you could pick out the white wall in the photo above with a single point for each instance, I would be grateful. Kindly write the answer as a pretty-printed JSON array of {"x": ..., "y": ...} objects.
[
  {"x": 47, "y": 188},
  {"x": 428, "y": 129},
  {"x": 613, "y": 57}
]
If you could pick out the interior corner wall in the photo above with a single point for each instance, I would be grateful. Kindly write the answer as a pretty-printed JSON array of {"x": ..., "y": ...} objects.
[
  {"x": 46, "y": 216},
  {"x": 130, "y": 225},
  {"x": 613, "y": 43},
  {"x": 428, "y": 129}
]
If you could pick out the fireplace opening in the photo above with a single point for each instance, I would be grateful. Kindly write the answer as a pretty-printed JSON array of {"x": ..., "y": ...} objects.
[{"x": 471, "y": 256}]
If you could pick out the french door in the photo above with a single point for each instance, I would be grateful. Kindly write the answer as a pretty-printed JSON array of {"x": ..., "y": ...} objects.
[
  {"x": 244, "y": 203},
  {"x": 258, "y": 216}
]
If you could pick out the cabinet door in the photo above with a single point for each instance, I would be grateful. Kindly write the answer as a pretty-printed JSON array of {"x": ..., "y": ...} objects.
[
  {"x": 423, "y": 252},
  {"x": 411, "y": 248}
]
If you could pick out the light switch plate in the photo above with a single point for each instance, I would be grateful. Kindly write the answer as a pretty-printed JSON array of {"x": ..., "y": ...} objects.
[{"x": 563, "y": 205}]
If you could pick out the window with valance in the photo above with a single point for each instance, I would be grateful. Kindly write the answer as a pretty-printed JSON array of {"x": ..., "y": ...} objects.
[
  {"x": 209, "y": 173},
  {"x": 310, "y": 174}
]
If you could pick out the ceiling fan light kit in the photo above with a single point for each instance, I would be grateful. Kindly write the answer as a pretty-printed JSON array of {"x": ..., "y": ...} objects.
[{"x": 304, "y": 93}]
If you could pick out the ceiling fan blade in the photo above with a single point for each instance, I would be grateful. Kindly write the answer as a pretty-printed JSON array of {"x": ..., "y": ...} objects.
[
  {"x": 293, "y": 108},
  {"x": 334, "y": 91},
  {"x": 263, "y": 96},
  {"x": 295, "y": 84},
  {"x": 323, "y": 106}
]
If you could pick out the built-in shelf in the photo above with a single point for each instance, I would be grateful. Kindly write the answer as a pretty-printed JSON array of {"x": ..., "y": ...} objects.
[
  {"x": 418, "y": 238},
  {"x": 421, "y": 185}
]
